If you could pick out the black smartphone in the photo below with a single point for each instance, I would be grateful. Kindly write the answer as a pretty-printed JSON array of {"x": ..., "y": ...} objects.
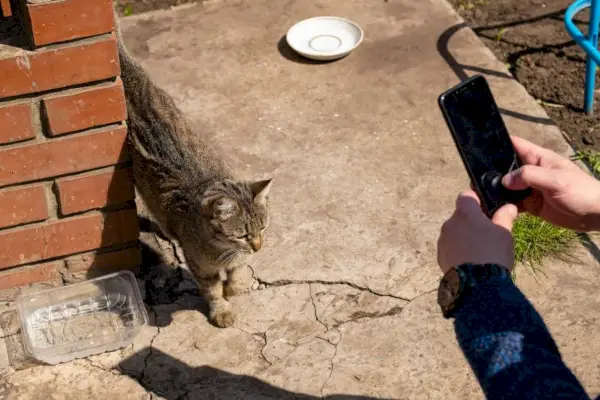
[{"x": 482, "y": 141}]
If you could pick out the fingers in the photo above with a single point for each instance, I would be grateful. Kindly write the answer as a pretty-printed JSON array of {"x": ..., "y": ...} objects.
[
  {"x": 505, "y": 216},
  {"x": 531, "y": 176},
  {"x": 467, "y": 203},
  {"x": 533, "y": 204},
  {"x": 532, "y": 154}
]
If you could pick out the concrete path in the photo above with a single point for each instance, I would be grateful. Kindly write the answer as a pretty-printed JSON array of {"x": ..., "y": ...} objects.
[{"x": 365, "y": 172}]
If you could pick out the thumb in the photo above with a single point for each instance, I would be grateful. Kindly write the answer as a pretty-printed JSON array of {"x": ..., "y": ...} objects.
[
  {"x": 505, "y": 216},
  {"x": 468, "y": 204},
  {"x": 531, "y": 176}
]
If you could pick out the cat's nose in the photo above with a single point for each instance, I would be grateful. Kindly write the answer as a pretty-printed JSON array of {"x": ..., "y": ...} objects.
[{"x": 256, "y": 244}]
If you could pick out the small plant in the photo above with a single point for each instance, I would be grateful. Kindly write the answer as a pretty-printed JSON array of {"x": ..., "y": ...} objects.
[
  {"x": 592, "y": 159},
  {"x": 128, "y": 9},
  {"x": 536, "y": 240},
  {"x": 500, "y": 33}
]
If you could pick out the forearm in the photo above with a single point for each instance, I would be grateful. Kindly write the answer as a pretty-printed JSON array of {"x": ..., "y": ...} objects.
[{"x": 509, "y": 347}]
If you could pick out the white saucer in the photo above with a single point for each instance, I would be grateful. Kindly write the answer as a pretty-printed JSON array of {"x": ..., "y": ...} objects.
[{"x": 324, "y": 38}]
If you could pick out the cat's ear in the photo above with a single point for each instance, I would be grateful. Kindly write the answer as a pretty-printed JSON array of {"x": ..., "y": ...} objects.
[
  {"x": 260, "y": 190},
  {"x": 219, "y": 207}
]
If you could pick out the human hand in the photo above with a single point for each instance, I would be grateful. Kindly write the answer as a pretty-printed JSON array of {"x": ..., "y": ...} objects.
[
  {"x": 563, "y": 194},
  {"x": 469, "y": 236}
]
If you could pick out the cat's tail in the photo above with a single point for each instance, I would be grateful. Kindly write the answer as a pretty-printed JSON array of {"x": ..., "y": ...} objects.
[
  {"x": 153, "y": 118},
  {"x": 132, "y": 74}
]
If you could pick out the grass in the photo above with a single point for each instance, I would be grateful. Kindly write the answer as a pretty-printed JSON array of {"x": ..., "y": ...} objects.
[
  {"x": 592, "y": 159},
  {"x": 128, "y": 9},
  {"x": 537, "y": 240},
  {"x": 500, "y": 34}
]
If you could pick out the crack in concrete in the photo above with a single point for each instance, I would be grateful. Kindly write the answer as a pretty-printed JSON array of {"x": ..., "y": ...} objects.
[
  {"x": 285, "y": 282},
  {"x": 335, "y": 346},
  {"x": 390, "y": 312},
  {"x": 150, "y": 351},
  {"x": 140, "y": 379},
  {"x": 332, "y": 365},
  {"x": 362, "y": 316},
  {"x": 264, "y": 336},
  {"x": 312, "y": 300},
  {"x": 100, "y": 367}
]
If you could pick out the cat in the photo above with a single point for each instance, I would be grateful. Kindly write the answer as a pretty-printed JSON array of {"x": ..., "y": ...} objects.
[{"x": 217, "y": 220}]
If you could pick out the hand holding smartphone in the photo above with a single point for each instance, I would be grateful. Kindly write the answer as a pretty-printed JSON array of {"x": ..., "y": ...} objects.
[{"x": 482, "y": 141}]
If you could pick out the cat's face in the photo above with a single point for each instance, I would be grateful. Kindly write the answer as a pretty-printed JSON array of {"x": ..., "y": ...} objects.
[{"x": 238, "y": 215}]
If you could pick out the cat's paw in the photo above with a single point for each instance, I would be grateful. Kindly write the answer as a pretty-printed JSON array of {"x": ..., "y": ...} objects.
[{"x": 221, "y": 315}]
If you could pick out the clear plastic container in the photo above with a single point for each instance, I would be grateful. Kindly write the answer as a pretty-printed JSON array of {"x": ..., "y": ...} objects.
[{"x": 82, "y": 319}]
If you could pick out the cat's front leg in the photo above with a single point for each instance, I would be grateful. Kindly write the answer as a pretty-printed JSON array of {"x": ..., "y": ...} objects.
[
  {"x": 220, "y": 311},
  {"x": 237, "y": 281}
]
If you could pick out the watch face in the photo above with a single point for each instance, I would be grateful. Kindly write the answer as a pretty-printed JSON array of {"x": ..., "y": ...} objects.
[{"x": 449, "y": 289}]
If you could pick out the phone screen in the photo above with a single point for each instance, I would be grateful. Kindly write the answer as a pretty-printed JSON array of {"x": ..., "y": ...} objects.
[
  {"x": 482, "y": 140},
  {"x": 479, "y": 129}
]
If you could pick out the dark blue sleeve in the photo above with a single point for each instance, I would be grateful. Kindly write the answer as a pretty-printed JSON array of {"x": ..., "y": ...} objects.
[{"x": 509, "y": 347}]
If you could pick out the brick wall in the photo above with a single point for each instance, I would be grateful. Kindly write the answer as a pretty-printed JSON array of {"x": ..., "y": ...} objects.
[{"x": 66, "y": 191}]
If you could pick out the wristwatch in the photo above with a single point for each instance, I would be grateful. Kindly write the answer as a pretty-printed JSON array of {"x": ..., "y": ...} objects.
[{"x": 461, "y": 280}]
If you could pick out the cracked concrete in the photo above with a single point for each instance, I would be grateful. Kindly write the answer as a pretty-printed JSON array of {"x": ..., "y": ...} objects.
[{"x": 365, "y": 172}]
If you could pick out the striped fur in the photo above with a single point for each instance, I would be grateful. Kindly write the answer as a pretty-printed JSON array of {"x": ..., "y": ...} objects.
[{"x": 217, "y": 220}]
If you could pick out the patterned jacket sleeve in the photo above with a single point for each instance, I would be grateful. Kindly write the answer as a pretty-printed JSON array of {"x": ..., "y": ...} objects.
[{"x": 509, "y": 347}]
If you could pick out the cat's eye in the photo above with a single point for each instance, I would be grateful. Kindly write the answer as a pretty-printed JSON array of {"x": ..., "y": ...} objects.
[{"x": 242, "y": 237}]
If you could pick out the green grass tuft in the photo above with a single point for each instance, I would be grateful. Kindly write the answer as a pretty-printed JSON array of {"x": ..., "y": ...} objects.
[
  {"x": 128, "y": 9},
  {"x": 592, "y": 159},
  {"x": 500, "y": 34},
  {"x": 536, "y": 240}
]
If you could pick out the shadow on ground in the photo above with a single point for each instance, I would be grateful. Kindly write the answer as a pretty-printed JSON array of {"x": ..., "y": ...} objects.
[
  {"x": 174, "y": 380},
  {"x": 164, "y": 281},
  {"x": 460, "y": 70},
  {"x": 289, "y": 54}
]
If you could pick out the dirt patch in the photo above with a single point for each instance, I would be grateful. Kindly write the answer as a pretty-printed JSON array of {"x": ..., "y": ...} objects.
[
  {"x": 529, "y": 35},
  {"x": 131, "y": 7}
]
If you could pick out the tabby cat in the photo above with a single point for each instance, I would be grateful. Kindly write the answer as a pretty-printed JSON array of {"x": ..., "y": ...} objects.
[{"x": 217, "y": 220}]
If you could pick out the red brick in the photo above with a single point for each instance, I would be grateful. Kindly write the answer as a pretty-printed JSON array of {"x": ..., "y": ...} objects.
[
  {"x": 63, "y": 156},
  {"x": 113, "y": 261},
  {"x": 57, "y": 68},
  {"x": 67, "y": 236},
  {"x": 5, "y": 8},
  {"x": 82, "y": 193},
  {"x": 15, "y": 123},
  {"x": 85, "y": 109},
  {"x": 59, "y": 21},
  {"x": 35, "y": 273},
  {"x": 23, "y": 205}
]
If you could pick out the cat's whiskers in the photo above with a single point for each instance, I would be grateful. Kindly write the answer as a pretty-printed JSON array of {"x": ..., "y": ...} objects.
[
  {"x": 231, "y": 257},
  {"x": 225, "y": 254}
]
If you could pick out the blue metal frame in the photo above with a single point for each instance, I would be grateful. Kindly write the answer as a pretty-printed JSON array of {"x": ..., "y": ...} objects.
[{"x": 589, "y": 44}]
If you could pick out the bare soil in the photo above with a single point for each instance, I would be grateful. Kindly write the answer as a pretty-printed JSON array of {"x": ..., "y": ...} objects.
[
  {"x": 131, "y": 7},
  {"x": 530, "y": 36}
]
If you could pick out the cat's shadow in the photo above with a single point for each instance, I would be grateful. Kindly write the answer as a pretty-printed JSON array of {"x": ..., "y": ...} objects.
[
  {"x": 173, "y": 379},
  {"x": 164, "y": 284}
]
